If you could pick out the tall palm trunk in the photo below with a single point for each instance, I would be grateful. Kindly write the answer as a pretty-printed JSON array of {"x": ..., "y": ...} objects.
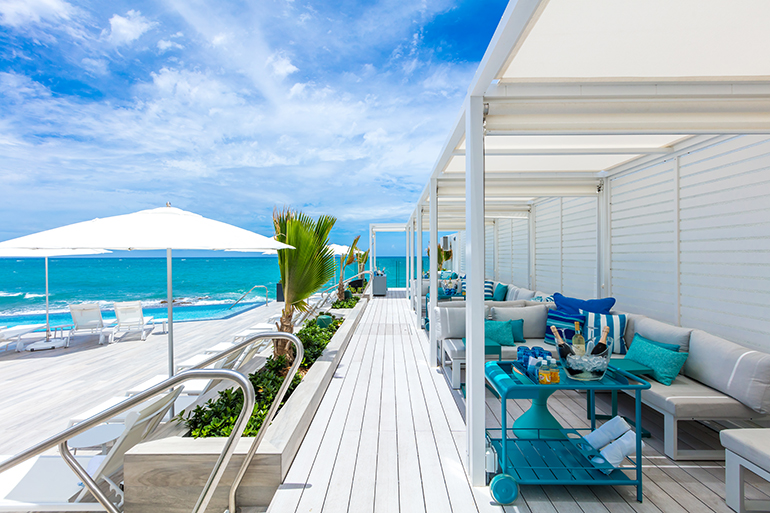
[{"x": 286, "y": 325}]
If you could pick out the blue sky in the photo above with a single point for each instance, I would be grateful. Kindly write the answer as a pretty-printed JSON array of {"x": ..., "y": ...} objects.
[{"x": 229, "y": 108}]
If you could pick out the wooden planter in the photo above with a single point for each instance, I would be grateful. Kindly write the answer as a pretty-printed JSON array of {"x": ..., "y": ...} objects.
[{"x": 168, "y": 474}]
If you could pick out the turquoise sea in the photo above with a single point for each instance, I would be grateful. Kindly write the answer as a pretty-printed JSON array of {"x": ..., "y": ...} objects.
[{"x": 204, "y": 288}]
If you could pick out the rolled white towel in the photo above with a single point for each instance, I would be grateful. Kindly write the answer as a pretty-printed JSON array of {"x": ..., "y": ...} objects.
[
  {"x": 609, "y": 431},
  {"x": 617, "y": 451}
]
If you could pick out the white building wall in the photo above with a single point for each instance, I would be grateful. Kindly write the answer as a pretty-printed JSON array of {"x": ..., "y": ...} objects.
[
  {"x": 489, "y": 252},
  {"x": 520, "y": 252},
  {"x": 725, "y": 240},
  {"x": 548, "y": 246},
  {"x": 504, "y": 251},
  {"x": 579, "y": 251}
]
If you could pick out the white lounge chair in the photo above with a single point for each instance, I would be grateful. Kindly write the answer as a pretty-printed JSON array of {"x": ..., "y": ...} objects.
[
  {"x": 46, "y": 483},
  {"x": 87, "y": 318},
  {"x": 131, "y": 318},
  {"x": 13, "y": 335}
]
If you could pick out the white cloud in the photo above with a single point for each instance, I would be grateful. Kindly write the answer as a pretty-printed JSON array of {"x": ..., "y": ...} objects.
[
  {"x": 95, "y": 66},
  {"x": 164, "y": 45},
  {"x": 15, "y": 13},
  {"x": 124, "y": 30},
  {"x": 282, "y": 66}
]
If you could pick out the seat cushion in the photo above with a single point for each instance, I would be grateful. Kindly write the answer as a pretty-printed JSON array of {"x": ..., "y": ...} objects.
[
  {"x": 534, "y": 318},
  {"x": 664, "y": 333},
  {"x": 685, "y": 398},
  {"x": 595, "y": 322},
  {"x": 513, "y": 291},
  {"x": 501, "y": 291},
  {"x": 451, "y": 323},
  {"x": 499, "y": 331},
  {"x": 574, "y": 305},
  {"x": 456, "y": 349},
  {"x": 737, "y": 371},
  {"x": 750, "y": 444},
  {"x": 665, "y": 363},
  {"x": 564, "y": 321},
  {"x": 525, "y": 294}
]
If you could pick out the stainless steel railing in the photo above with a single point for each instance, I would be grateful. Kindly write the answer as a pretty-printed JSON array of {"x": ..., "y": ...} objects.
[
  {"x": 219, "y": 468},
  {"x": 267, "y": 301}
]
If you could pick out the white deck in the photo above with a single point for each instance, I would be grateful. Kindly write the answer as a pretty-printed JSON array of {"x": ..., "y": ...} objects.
[
  {"x": 388, "y": 436},
  {"x": 42, "y": 390}
]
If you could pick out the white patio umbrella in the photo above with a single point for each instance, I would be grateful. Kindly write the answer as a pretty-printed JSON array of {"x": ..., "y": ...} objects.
[
  {"x": 160, "y": 228},
  {"x": 45, "y": 253}
]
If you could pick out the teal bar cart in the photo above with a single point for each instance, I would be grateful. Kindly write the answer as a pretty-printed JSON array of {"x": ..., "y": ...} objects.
[{"x": 538, "y": 450}]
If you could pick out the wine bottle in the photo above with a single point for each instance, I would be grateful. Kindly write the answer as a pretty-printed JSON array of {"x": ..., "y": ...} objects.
[
  {"x": 602, "y": 345},
  {"x": 565, "y": 349},
  {"x": 578, "y": 342}
]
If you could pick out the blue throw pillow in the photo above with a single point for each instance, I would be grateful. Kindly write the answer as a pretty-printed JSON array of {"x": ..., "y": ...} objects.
[
  {"x": 500, "y": 292},
  {"x": 562, "y": 320},
  {"x": 517, "y": 327},
  {"x": 574, "y": 305},
  {"x": 670, "y": 347},
  {"x": 617, "y": 324},
  {"x": 665, "y": 363},
  {"x": 499, "y": 331},
  {"x": 489, "y": 289}
]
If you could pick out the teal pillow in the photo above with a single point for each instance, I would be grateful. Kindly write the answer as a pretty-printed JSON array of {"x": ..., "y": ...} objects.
[
  {"x": 500, "y": 292},
  {"x": 665, "y": 363},
  {"x": 670, "y": 347},
  {"x": 517, "y": 327},
  {"x": 500, "y": 332}
]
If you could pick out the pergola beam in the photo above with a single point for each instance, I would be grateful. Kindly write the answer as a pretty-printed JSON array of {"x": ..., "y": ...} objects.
[{"x": 569, "y": 151}]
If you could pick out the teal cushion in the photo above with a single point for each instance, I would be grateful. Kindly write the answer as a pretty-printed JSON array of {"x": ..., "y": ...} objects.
[
  {"x": 500, "y": 332},
  {"x": 670, "y": 347},
  {"x": 665, "y": 363},
  {"x": 500, "y": 292},
  {"x": 517, "y": 327}
]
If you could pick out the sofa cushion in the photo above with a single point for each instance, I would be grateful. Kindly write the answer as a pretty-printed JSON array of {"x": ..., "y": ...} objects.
[
  {"x": 489, "y": 289},
  {"x": 686, "y": 398},
  {"x": 750, "y": 444},
  {"x": 451, "y": 323},
  {"x": 665, "y": 363},
  {"x": 525, "y": 294},
  {"x": 501, "y": 291},
  {"x": 665, "y": 333},
  {"x": 456, "y": 349},
  {"x": 534, "y": 318},
  {"x": 574, "y": 305},
  {"x": 513, "y": 291},
  {"x": 499, "y": 331},
  {"x": 737, "y": 371},
  {"x": 617, "y": 323},
  {"x": 564, "y": 321}
]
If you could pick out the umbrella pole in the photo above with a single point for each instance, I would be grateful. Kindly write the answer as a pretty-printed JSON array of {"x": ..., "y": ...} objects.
[
  {"x": 170, "y": 300},
  {"x": 47, "y": 323}
]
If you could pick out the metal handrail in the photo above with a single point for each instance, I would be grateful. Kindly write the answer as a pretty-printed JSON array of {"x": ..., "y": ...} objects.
[
  {"x": 267, "y": 301},
  {"x": 346, "y": 281},
  {"x": 219, "y": 467}
]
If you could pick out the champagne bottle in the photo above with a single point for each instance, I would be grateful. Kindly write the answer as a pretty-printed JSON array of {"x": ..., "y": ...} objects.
[
  {"x": 578, "y": 342},
  {"x": 602, "y": 345},
  {"x": 564, "y": 349}
]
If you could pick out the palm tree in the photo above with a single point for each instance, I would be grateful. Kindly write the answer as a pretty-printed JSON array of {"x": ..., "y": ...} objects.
[
  {"x": 305, "y": 268},
  {"x": 346, "y": 260},
  {"x": 362, "y": 257}
]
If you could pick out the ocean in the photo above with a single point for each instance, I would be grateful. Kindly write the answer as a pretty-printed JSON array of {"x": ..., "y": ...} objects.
[{"x": 204, "y": 288}]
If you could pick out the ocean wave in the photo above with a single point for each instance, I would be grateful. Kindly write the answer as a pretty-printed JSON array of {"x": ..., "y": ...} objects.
[
  {"x": 11, "y": 294},
  {"x": 29, "y": 295}
]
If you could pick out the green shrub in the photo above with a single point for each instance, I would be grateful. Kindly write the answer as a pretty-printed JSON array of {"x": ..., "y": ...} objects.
[
  {"x": 217, "y": 417},
  {"x": 348, "y": 303}
]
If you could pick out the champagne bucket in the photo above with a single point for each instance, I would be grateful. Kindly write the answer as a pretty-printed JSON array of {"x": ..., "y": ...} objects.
[{"x": 588, "y": 367}]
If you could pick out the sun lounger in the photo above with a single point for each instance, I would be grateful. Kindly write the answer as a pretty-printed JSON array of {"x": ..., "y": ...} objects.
[
  {"x": 13, "y": 335},
  {"x": 253, "y": 330},
  {"x": 46, "y": 483},
  {"x": 87, "y": 318},
  {"x": 131, "y": 318}
]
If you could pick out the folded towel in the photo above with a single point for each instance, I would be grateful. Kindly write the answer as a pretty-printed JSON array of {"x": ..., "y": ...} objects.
[
  {"x": 616, "y": 452},
  {"x": 609, "y": 431}
]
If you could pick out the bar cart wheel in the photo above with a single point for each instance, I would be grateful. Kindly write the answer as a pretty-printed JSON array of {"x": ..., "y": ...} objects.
[{"x": 504, "y": 489}]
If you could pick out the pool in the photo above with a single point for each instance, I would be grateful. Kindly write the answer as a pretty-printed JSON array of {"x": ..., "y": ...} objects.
[{"x": 181, "y": 314}]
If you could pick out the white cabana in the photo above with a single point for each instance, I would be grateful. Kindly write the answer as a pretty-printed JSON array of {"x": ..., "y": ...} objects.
[
  {"x": 45, "y": 254},
  {"x": 628, "y": 118},
  {"x": 161, "y": 228}
]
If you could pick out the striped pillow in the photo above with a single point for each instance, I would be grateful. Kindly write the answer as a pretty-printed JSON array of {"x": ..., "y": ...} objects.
[
  {"x": 562, "y": 320},
  {"x": 617, "y": 324},
  {"x": 489, "y": 289}
]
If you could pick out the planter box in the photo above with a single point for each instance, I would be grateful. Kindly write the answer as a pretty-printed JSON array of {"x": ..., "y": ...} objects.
[{"x": 168, "y": 474}]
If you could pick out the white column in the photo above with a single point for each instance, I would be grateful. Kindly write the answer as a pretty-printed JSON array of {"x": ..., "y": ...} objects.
[
  {"x": 418, "y": 253},
  {"x": 496, "y": 248},
  {"x": 532, "y": 248},
  {"x": 474, "y": 296},
  {"x": 373, "y": 253},
  {"x": 677, "y": 242},
  {"x": 407, "y": 251},
  {"x": 433, "y": 270},
  {"x": 601, "y": 240}
]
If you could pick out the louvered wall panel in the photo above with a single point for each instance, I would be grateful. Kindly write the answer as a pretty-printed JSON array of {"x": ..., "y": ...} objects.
[
  {"x": 725, "y": 240},
  {"x": 643, "y": 265},
  {"x": 461, "y": 251},
  {"x": 548, "y": 246},
  {"x": 489, "y": 252},
  {"x": 520, "y": 252},
  {"x": 504, "y": 251},
  {"x": 579, "y": 251}
]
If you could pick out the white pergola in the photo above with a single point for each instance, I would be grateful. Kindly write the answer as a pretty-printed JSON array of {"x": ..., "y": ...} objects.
[{"x": 568, "y": 92}]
